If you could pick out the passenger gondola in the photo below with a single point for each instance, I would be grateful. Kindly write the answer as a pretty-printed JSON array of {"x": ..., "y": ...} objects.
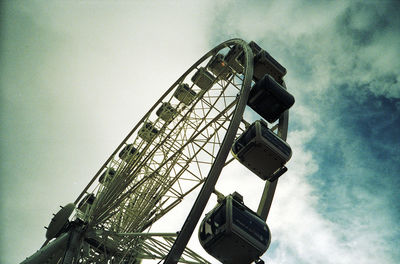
[
  {"x": 166, "y": 112},
  {"x": 148, "y": 132},
  {"x": 107, "y": 176},
  {"x": 127, "y": 152},
  {"x": 264, "y": 63},
  {"x": 219, "y": 67},
  {"x": 234, "y": 58},
  {"x": 262, "y": 151},
  {"x": 269, "y": 99},
  {"x": 233, "y": 233},
  {"x": 86, "y": 202},
  {"x": 203, "y": 79},
  {"x": 184, "y": 94}
]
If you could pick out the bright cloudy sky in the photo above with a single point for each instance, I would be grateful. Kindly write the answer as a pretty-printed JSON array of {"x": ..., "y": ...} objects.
[{"x": 76, "y": 76}]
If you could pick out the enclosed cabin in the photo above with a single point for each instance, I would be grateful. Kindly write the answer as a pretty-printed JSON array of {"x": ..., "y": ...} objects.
[
  {"x": 166, "y": 112},
  {"x": 264, "y": 63},
  {"x": 184, "y": 94},
  {"x": 203, "y": 79},
  {"x": 148, "y": 132},
  {"x": 269, "y": 99},
  {"x": 128, "y": 152},
  {"x": 232, "y": 233},
  {"x": 234, "y": 58},
  {"x": 219, "y": 67},
  {"x": 262, "y": 151},
  {"x": 86, "y": 203},
  {"x": 107, "y": 176}
]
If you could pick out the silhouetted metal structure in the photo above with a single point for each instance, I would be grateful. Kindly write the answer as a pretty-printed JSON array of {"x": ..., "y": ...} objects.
[{"x": 182, "y": 144}]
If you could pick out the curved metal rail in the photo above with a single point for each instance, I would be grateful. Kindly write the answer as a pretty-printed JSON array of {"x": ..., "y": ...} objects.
[{"x": 186, "y": 153}]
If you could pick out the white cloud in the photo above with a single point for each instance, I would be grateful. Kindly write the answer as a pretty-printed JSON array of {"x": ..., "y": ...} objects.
[
  {"x": 322, "y": 56},
  {"x": 104, "y": 65},
  {"x": 327, "y": 38}
]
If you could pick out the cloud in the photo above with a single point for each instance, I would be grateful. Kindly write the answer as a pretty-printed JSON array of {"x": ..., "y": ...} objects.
[
  {"x": 76, "y": 75},
  {"x": 343, "y": 71},
  {"x": 326, "y": 42}
]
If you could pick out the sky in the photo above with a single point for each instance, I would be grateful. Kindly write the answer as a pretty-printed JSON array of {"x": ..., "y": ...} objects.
[{"x": 76, "y": 76}]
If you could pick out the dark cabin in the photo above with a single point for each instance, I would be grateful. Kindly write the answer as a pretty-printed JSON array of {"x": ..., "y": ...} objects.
[
  {"x": 107, "y": 176},
  {"x": 233, "y": 233},
  {"x": 148, "y": 132},
  {"x": 127, "y": 152},
  {"x": 203, "y": 79},
  {"x": 219, "y": 67},
  {"x": 166, "y": 112},
  {"x": 264, "y": 63},
  {"x": 234, "y": 58},
  {"x": 269, "y": 99},
  {"x": 262, "y": 151},
  {"x": 184, "y": 94}
]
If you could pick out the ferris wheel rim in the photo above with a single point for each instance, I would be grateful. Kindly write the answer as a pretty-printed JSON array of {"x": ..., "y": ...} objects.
[{"x": 232, "y": 130}]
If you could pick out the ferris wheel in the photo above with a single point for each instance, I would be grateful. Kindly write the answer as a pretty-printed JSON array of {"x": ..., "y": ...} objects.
[{"x": 181, "y": 145}]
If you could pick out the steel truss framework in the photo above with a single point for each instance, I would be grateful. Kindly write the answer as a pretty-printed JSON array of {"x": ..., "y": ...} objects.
[{"x": 164, "y": 161}]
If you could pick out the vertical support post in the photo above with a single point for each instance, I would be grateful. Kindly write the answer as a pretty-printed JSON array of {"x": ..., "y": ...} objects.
[
  {"x": 270, "y": 187},
  {"x": 266, "y": 199},
  {"x": 55, "y": 247},
  {"x": 74, "y": 245}
]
